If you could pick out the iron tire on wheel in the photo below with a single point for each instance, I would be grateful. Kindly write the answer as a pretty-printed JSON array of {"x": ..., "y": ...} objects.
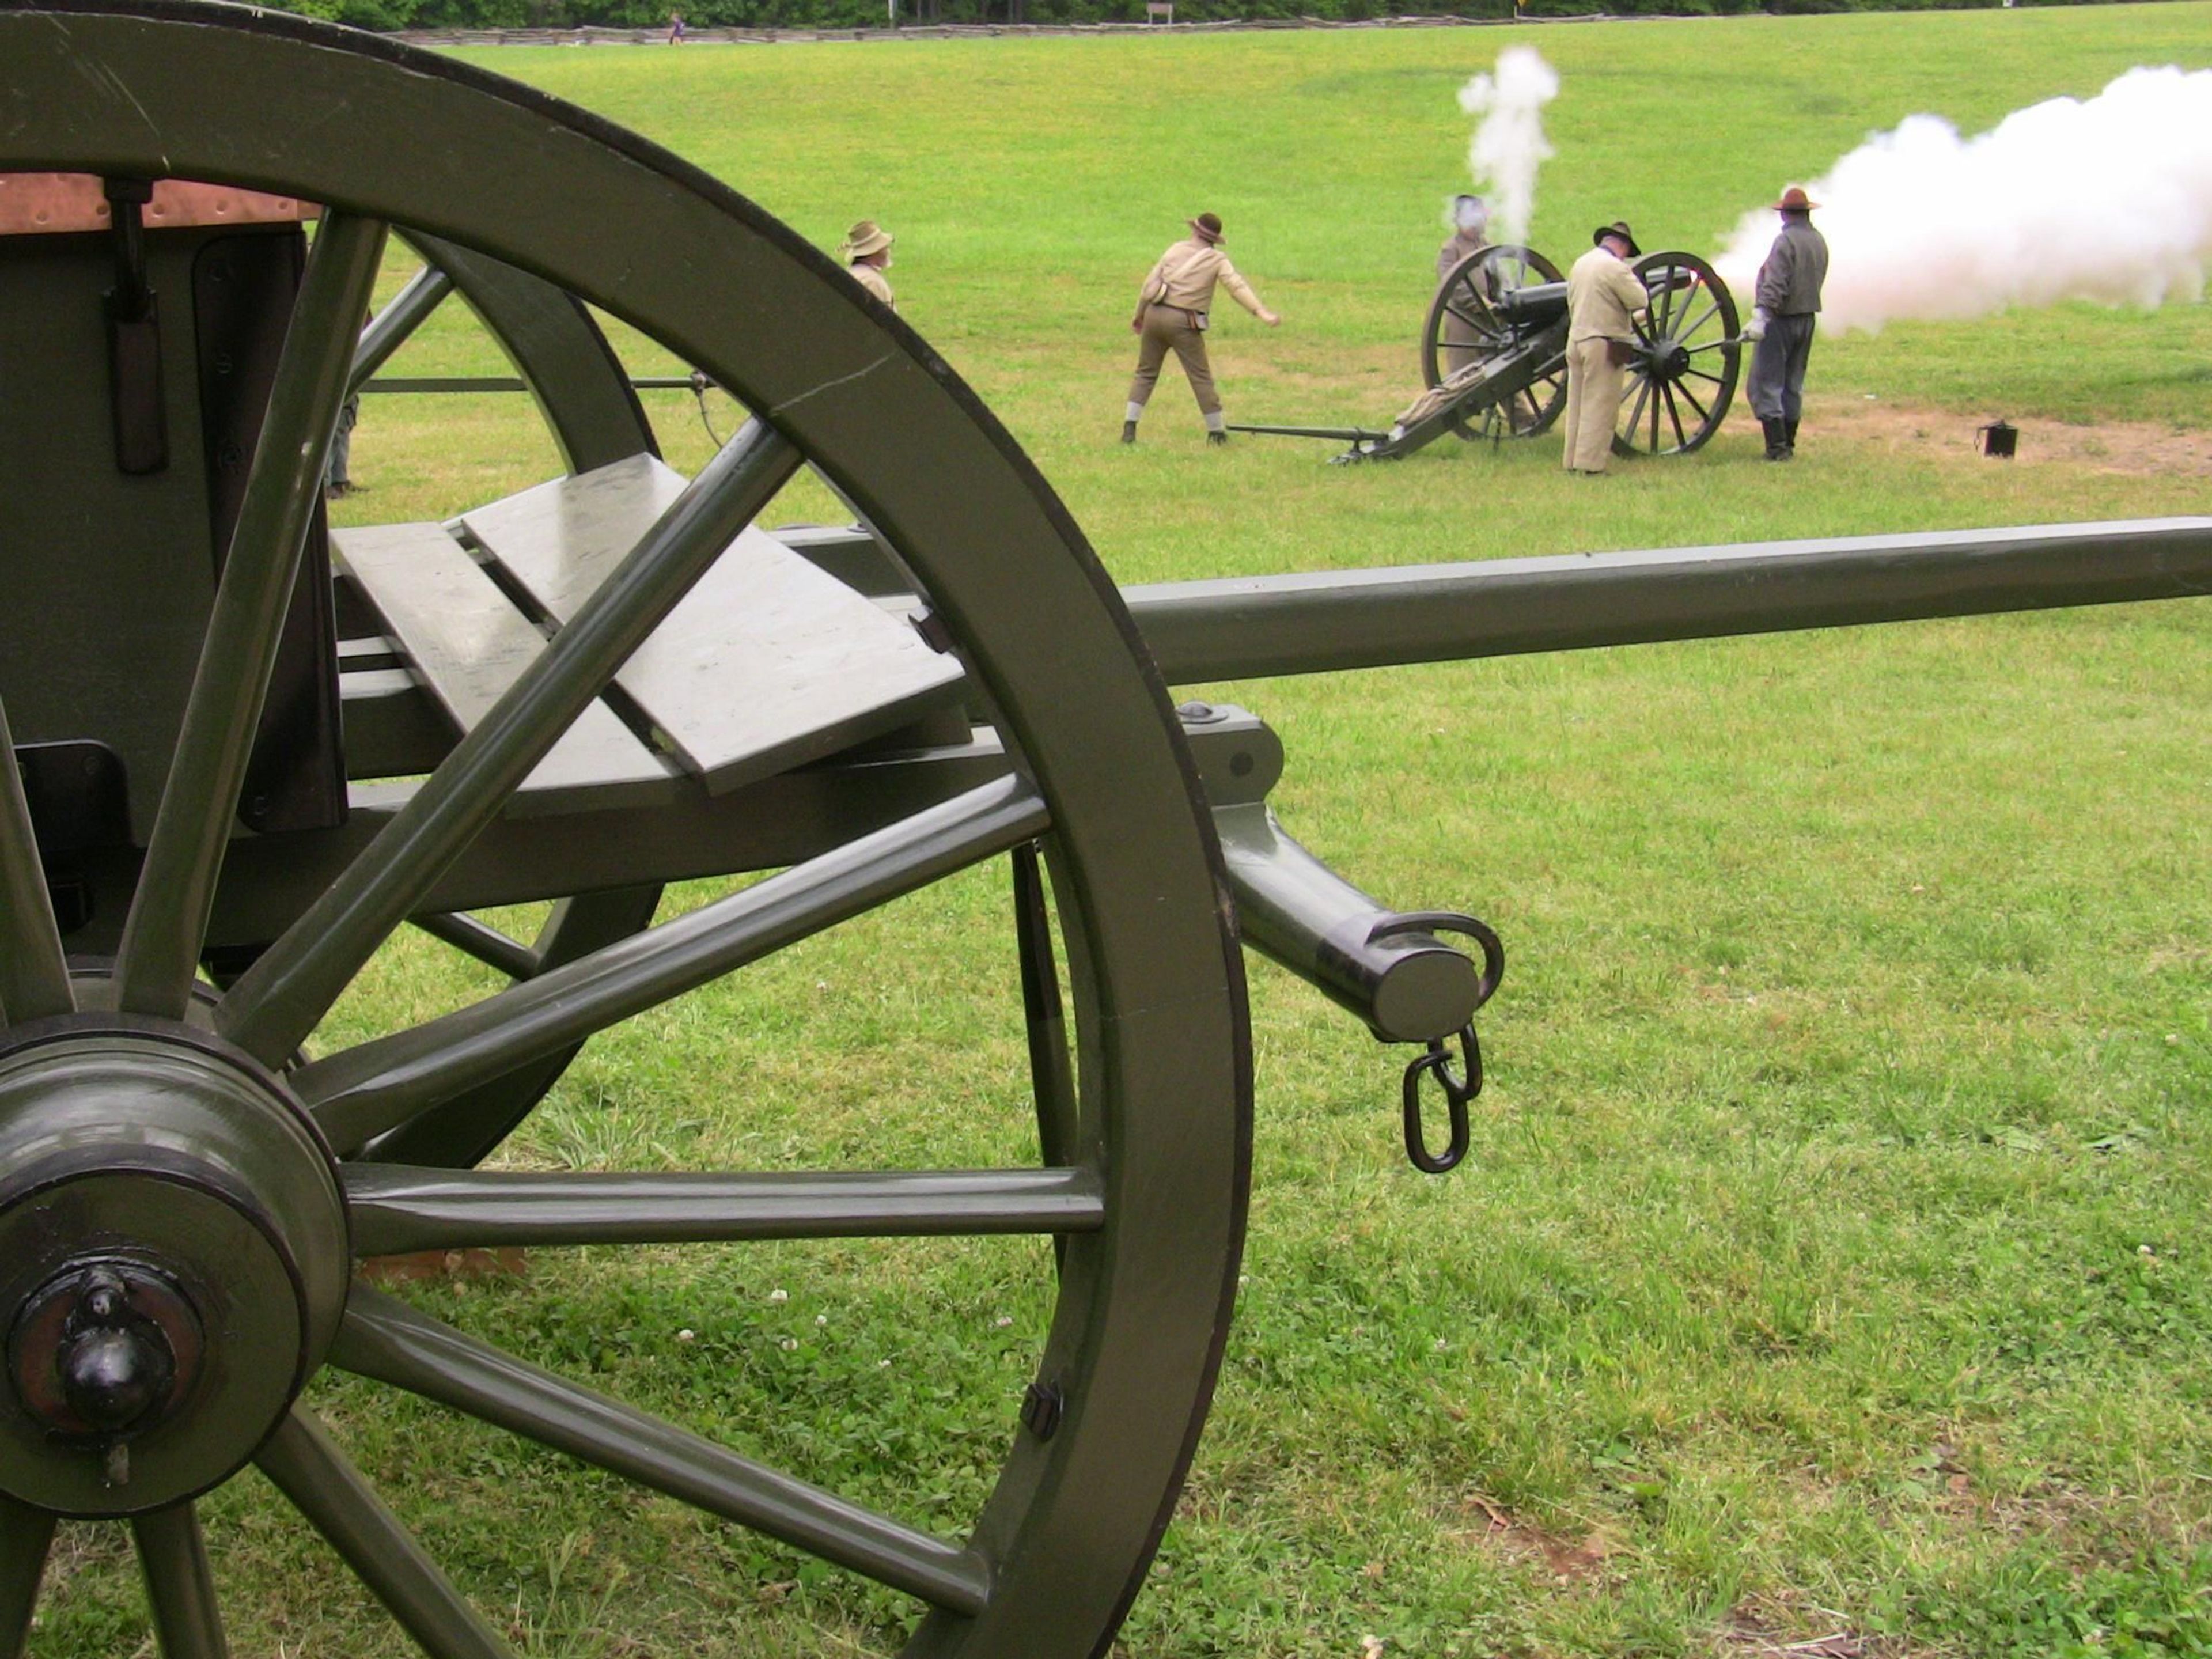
[{"x": 1159, "y": 1139}]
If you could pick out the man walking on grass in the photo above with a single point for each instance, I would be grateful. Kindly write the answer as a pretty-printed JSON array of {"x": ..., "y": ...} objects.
[
  {"x": 1785, "y": 305},
  {"x": 1172, "y": 312}
]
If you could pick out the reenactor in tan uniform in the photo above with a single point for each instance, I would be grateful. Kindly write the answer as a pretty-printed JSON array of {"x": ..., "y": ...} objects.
[
  {"x": 1470, "y": 220},
  {"x": 1172, "y": 310},
  {"x": 866, "y": 251},
  {"x": 1605, "y": 301}
]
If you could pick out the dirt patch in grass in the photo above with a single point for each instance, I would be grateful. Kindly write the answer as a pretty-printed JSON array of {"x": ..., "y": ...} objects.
[
  {"x": 2132, "y": 448},
  {"x": 1569, "y": 1559}
]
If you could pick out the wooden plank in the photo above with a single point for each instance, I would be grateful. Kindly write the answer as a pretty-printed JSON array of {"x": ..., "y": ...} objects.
[
  {"x": 767, "y": 664},
  {"x": 466, "y": 643}
]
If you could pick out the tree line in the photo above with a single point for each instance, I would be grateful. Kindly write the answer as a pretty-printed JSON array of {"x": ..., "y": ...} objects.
[{"x": 874, "y": 13}]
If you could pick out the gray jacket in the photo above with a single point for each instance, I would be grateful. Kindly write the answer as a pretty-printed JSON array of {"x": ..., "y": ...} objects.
[{"x": 1789, "y": 281}]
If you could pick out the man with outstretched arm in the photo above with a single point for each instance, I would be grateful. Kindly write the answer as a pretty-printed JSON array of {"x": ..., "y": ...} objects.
[
  {"x": 1785, "y": 305},
  {"x": 1172, "y": 312}
]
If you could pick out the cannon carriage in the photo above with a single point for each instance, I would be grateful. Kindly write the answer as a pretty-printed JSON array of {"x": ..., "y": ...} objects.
[
  {"x": 249, "y": 749},
  {"x": 1493, "y": 353}
]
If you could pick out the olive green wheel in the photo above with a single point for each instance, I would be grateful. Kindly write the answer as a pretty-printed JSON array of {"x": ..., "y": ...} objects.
[
  {"x": 1465, "y": 324},
  {"x": 182, "y": 1198},
  {"x": 1684, "y": 377}
]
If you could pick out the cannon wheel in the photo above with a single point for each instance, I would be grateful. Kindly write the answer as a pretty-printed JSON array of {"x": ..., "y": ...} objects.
[
  {"x": 161, "y": 1342},
  {"x": 1678, "y": 390},
  {"x": 1464, "y": 322}
]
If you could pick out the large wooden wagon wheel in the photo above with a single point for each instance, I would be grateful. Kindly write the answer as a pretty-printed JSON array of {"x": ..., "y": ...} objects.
[
  {"x": 178, "y": 1210},
  {"x": 1678, "y": 390},
  {"x": 1465, "y": 324}
]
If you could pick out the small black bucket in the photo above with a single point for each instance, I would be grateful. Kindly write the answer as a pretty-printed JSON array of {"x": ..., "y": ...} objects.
[{"x": 2000, "y": 440}]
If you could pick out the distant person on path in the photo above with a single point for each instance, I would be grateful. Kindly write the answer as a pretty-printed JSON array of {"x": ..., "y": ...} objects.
[
  {"x": 1605, "y": 301},
  {"x": 866, "y": 251},
  {"x": 1470, "y": 218},
  {"x": 1785, "y": 305},
  {"x": 675, "y": 28},
  {"x": 1172, "y": 312}
]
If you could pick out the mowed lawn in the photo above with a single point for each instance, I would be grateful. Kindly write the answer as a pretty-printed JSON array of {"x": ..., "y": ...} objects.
[{"x": 1833, "y": 1258}]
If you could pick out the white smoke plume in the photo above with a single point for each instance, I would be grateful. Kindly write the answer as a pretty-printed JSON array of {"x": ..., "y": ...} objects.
[
  {"x": 2109, "y": 199},
  {"x": 1509, "y": 146}
]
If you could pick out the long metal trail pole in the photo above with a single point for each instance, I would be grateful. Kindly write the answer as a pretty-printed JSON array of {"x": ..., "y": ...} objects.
[{"x": 1260, "y": 626}]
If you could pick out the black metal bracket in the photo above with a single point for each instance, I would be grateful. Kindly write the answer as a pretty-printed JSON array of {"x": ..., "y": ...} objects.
[{"x": 133, "y": 336}]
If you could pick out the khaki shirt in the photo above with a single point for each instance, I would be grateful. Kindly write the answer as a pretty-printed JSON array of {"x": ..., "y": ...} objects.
[
  {"x": 1604, "y": 298},
  {"x": 1462, "y": 243},
  {"x": 1186, "y": 273},
  {"x": 872, "y": 278}
]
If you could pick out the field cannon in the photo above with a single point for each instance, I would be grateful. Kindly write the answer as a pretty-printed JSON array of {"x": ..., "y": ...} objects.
[
  {"x": 1493, "y": 359},
  {"x": 247, "y": 750}
]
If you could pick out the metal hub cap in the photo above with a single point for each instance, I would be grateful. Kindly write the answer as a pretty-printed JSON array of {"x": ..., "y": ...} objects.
[{"x": 173, "y": 1261}]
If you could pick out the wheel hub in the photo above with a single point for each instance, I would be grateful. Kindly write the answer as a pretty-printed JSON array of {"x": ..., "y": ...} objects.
[{"x": 174, "y": 1263}]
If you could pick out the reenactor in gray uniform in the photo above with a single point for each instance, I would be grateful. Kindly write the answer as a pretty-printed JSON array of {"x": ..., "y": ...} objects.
[
  {"x": 866, "y": 251},
  {"x": 1605, "y": 300},
  {"x": 1785, "y": 305},
  {"x": 1172, "y": 311}
]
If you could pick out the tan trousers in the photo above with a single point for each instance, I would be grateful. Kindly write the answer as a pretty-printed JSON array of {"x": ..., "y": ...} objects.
[
  {"x": 1166, "y": 330},
  {"x": 1594, "y": 389}
]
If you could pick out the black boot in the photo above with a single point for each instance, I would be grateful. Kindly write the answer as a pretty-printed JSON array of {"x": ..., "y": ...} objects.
[
  {"x": 1777, "y": 446},
  {"x": 1789, "y": 438},
  {"x": 1217, "y": 437},
  {"x": 1128, "y": 432}
]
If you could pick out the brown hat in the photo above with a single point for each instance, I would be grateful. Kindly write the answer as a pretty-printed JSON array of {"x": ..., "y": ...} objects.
[
  {"x": 1617, "y": 228},
  {"x": 1794, "y": 200},
  {"x": 1207, "y": 225},
  {"x": 866, "y": 237}
]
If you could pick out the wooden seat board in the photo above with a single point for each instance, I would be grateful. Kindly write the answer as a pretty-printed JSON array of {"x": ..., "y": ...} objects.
[
  {"x": 466, "y": 643},
  {"x": 767, "y": 664}
]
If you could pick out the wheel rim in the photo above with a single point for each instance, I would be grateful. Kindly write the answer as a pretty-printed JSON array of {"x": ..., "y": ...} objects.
[
  {"x": 1678, "y": 390},
  {"x": 1464, "y": 323},
  {"x": 1150, "y": 1209}
]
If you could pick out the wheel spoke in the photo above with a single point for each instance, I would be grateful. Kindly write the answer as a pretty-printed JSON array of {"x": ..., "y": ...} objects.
[
  {"x": 1052, "y": 1078},
  {"x": 486, "y": 944},
  {"x": 400, "y": 1208},
  {"x": 386, "y": 1340},
  {"x": 1721, "y": 344},
  {"x": 1656, "y": 387},
  {"x": 325, "y": 1486},
  {"x": 1702, "y": 316},
  {"x": 26, "y": 1536},
  {"x": 161, "y": 949},
  {"x": 394, "y": 325},
  {"x": 33, "y": 975},
  {"x": 1681, "y": 441},
  {"x": 1636, "y": 414},
  {"x": 378, "y": 1086},
  {"x": 1705, "y": 415},
  {"x": 278, "y": 1001},
  {"x": 187, "y": 1623}
]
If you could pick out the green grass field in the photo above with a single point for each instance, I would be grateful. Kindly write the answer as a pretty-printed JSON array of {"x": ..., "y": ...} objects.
[{"x": 1833, "y": 1260}]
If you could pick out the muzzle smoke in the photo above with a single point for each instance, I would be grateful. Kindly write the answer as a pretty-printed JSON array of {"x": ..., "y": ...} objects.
[
  {"x": 1509, "y": 146},
  {"x": 2109, "y": 199}
]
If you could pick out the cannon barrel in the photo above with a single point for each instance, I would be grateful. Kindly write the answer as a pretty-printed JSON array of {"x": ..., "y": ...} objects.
[{"x": 1542, "y": 304}]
